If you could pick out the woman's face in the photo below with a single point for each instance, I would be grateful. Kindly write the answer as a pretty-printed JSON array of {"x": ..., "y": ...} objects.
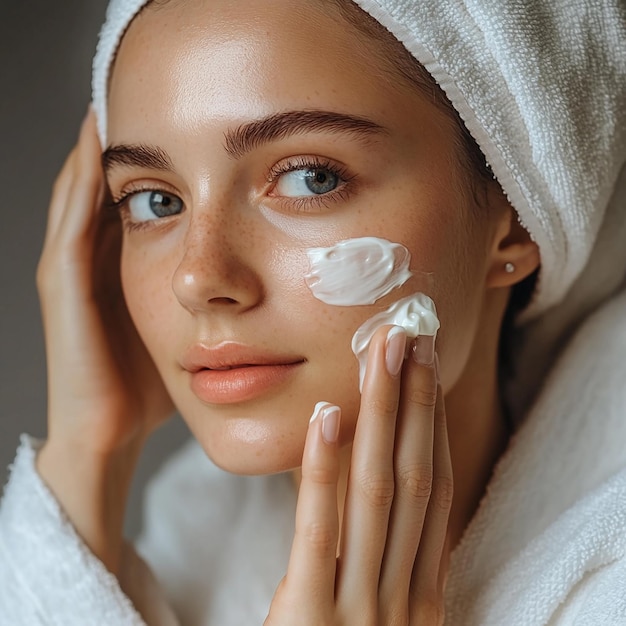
[{"x": 232, "y": 184}]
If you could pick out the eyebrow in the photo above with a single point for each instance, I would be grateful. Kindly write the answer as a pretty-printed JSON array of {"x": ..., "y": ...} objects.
[
  {"x": 139, "y": 155},
  {"x": 249, "y": 136}
]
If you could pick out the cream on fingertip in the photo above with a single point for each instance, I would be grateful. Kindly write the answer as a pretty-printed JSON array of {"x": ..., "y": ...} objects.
[
  {"x": 331, "y": 420},
  {"x": 416, "y": 314},
  {"x": 319, "y": 407}
]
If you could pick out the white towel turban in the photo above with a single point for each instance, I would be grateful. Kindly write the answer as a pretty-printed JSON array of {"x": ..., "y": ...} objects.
[{"x": 541, "y": 86}]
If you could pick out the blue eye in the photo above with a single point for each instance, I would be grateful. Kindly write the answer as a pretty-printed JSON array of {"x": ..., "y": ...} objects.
[
  {"x": 311, "y": 181},
  {"x": 152, "y": 205}
]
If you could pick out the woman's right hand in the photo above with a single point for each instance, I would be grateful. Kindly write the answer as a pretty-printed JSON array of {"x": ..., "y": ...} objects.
[{"x": 104, "y": 393}]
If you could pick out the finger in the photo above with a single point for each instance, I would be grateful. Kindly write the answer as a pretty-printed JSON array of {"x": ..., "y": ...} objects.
[
  {"x": 313, "y": 560},
  {"x": 60, "y": 194},
  {"x": 86, "y": 190},
  {"x": 413, "y": 467},
  {"x": 371, "y": 481},
  {"x": 67, "y": 259},
  {"x": 63, "y": 186},
  {"x": 426, "y": 585}
]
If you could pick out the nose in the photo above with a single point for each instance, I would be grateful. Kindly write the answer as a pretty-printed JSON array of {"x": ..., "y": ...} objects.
[{"x": 216, "y": 268}]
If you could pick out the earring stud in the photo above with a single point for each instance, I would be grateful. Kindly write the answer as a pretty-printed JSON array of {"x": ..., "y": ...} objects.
[{"x": 509, "y": 268}]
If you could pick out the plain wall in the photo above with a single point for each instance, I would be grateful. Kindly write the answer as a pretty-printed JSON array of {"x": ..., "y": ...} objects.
[{"x": 46, "y": 49}]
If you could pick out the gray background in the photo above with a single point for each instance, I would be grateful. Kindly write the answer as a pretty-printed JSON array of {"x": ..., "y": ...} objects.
[{"x": 46, "y": 49}]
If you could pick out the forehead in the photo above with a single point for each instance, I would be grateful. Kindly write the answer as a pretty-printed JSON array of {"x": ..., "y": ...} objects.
[{"x": 243, "y": 59}]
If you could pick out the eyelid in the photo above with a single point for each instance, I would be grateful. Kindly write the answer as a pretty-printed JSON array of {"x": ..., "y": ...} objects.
[
  {"x": 120, "y": 200},
  {"x": 136, "y": 187},
  {"x": 312, "y": 203},
  {"x": 292, "y": 164}
]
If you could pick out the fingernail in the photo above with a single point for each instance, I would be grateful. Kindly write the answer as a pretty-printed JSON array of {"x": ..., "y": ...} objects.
[
  {"x": 331, "y": 421},
  {"x": 394, "y": 350},
  {"x": 424, "y": 350},
  {"x": 319, "y": 407}
]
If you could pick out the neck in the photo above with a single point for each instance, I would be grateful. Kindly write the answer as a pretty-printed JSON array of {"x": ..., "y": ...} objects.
[{"x": 477, "y": 431}]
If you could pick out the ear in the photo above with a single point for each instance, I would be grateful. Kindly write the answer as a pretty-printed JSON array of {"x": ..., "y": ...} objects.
[{"x": 514, "y": 255}]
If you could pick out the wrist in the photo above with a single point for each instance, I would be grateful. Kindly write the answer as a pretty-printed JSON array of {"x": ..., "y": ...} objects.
[{"x": 92, "y": 489}]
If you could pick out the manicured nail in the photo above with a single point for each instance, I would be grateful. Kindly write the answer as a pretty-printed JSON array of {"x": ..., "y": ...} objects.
[
  {"x": 319, "y": 407},
  {"x": 424, "y": 350},
  {"x": 394, "y": 350},
  {"x": 331, "y": 421}
]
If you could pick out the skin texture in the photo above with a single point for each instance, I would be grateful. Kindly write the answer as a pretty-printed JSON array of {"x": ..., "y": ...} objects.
[{"x": 230, "y": 266}]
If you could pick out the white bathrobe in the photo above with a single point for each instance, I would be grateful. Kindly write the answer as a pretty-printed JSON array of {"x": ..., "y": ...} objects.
[{"x": 547, "y": 545}]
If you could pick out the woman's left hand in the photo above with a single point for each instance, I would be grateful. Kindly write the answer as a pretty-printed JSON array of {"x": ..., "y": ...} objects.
[{"x": 392, "y": 557}]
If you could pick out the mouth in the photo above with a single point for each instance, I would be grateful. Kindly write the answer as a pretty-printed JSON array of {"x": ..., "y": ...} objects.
[{"x": 232, "y": 373}]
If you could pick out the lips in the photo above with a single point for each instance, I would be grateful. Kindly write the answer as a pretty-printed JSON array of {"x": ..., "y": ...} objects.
[{"x": 231, "y": 372}]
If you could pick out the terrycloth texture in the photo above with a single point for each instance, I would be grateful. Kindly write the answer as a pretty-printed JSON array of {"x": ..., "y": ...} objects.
[
  {"x": 538, "y": 343},
  {"x": 47, "y": 575},
  {"x": 556, "y": 506},
  {"x": 219, "y": 542},
  {"x": 540, "y": 85},
  {"x": 119, "y": 15},
  {"x": 546, "y": 548}
]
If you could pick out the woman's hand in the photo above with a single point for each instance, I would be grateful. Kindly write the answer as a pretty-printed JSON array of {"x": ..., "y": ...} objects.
[
  {"x": 104, "y": 393},
  {"x": 392, "y": 558}
]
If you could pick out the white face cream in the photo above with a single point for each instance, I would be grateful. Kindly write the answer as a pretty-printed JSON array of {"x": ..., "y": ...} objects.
[
  {"x": 415, "y": 313},
  {"x": 357, "y": 271}
]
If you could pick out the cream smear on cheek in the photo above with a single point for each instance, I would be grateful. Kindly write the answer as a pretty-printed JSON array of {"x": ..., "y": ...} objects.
[{"x": 357, "y": 272}]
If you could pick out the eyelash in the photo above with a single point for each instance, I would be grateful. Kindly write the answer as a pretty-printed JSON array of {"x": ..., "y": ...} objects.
[
  {"x": 119, "y": 205},
  {"x": 309, "y": 203}
]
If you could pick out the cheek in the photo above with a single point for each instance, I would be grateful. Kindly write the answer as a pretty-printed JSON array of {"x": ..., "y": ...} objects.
[
  {"x": 147, "y": 290},
  {"x": 459, "y": 291},
  {"x": 449, "y": 256}
]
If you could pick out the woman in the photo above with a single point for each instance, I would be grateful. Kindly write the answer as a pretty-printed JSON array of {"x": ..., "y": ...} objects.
[{"x": 261, "y": 156}]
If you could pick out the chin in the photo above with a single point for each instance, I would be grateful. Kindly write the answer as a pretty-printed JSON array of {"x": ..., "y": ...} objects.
[{"x": 249, "y": 447}]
